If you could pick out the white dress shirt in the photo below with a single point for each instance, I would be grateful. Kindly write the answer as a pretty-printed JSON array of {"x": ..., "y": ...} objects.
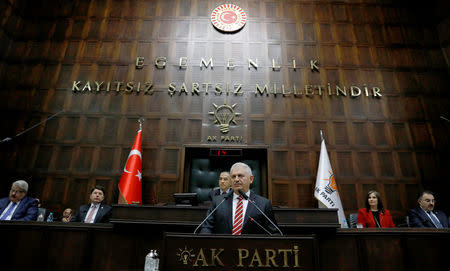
[{"x": 244, "y": 206}]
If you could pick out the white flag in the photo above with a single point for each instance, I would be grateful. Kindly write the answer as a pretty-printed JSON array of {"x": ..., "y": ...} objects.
[{"x": 326, "y": 191}]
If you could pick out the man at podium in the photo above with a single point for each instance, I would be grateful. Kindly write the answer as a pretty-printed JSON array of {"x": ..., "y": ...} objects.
[{"x": 240, "y": 211}]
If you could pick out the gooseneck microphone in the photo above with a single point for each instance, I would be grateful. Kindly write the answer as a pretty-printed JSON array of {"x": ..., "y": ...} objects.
[
  {"x": 7, "y": 139},
  {"x": 224, "y": 198},
  {"x": 254, "y": 204}
]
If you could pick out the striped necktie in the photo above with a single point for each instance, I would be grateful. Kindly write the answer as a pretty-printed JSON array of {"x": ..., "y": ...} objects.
[
  {"x": 8, "y": 212},
  {"x": 435, "y": 221},
  {"x": 238, "y": 217},
  {"x": 91, "y": 213}
]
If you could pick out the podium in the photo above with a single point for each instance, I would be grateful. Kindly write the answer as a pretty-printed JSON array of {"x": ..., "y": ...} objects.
[
  {"x": 171, "y": 218},
  {"x": 244, "y": 252}
]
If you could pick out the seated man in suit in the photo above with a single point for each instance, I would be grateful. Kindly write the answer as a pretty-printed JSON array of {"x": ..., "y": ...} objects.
[
  {"x": 425, "y": 216},
  {"x": 18, "y": 206},
  {"x": 224, "y": 185},
  {"x": 237, "y": 215},
  {"x": 96, "y": 212}
]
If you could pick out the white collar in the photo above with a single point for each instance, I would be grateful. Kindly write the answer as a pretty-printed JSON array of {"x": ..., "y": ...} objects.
[{"x": 237, "y": 196}]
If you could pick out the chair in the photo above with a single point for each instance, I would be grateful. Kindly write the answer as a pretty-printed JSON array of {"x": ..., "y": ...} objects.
[
  {"x": 352, "y": 220},
  {"x": 204, "y": 175},
  {"x": 203, "y": 178}
]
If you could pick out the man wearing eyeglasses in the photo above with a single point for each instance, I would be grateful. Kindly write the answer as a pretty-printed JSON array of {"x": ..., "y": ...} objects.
[
  {"x": 18, "y": 206},
  {"x": 425, "y": 216}
]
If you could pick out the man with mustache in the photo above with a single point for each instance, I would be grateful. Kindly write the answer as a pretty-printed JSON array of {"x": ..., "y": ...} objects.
[
  {"x": 224, "y": 186},
  {"x": 236, "y": 215},
  {"x": 425, "y": 216},
  {"x": 18, "y": 206}
]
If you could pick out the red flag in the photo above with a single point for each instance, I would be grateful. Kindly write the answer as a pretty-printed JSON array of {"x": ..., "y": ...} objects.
[{"x": 130, "y": 185}]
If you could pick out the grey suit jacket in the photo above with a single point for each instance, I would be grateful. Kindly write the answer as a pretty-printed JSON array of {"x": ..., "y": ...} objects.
[{"x": 221, "y": 221}]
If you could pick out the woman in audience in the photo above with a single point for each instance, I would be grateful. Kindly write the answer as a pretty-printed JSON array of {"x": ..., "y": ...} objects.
[{"x": 374, "y": 215}]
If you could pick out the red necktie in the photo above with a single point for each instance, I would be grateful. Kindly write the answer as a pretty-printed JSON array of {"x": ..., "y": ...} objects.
[
  {"x": 238, "y": 217},
  {"x": 91, "y": 213}
]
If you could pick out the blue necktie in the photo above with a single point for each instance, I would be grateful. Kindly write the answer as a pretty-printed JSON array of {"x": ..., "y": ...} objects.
[
  {"x": 436, "y": 222},
  {"x": 8, "y": 212}
]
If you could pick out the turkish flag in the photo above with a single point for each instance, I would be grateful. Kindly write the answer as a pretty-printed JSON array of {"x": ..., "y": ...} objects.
[{"x": 130, "y": 185}]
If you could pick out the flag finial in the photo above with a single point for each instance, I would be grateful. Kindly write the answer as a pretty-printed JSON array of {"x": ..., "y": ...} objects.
[
  {"x": 140, "y": 120},
  {"x": 321, "y": 135}
]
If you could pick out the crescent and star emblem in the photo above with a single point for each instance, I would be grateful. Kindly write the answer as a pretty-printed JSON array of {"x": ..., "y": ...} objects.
[{"x": 138, "y": 153}]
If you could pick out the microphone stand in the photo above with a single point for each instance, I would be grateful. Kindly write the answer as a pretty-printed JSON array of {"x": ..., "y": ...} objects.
[
  {"x": 254, "y": 204},
  {"x": 268, "y": 232},
  {"x": 225, "y": 198},
  {"x": 7, "y": 139}
]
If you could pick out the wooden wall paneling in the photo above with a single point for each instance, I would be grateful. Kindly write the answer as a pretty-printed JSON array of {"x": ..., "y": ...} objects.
[
  {"x": 365, "y": 164},
  {"x": 421, "y": 135},
  {"x": 280, "y": 189},
  {"x": 303, "y": 165},
  {"x": 304, "y": 191},
  {"x": 281, "y": 163},
  {"x": 298, "y": 134},
  {"x": 376, "y": 140}
]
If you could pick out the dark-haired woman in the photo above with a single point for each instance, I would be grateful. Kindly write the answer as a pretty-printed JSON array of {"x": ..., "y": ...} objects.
[{"x": 374, "y": 215}]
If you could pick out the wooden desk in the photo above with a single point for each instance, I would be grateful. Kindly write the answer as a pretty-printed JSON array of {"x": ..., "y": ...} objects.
[
  {"x": 187, "y": 218},
  {"x": 77, "y": 246}
]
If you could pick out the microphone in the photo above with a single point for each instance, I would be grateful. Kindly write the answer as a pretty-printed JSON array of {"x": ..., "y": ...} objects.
[
  {"x": 268, "y": 232},
  {"x": 254, "y": 204},
  {"x": 7, "y": 139},
  {"x": 224, "y": 198}
]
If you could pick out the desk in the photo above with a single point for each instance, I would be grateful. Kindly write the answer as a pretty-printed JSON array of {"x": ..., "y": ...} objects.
[{"x": 187, "y": 218}]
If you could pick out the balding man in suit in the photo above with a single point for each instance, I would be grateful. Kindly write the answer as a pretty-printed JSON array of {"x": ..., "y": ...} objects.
[
  {"x": 425, "y": 216},
  {"x": 224, "y": 185}
]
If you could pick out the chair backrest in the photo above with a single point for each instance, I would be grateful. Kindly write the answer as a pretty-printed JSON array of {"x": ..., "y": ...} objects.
[
  {"x": 204, "y": 176},
  {"x": 352, "y": 220}
]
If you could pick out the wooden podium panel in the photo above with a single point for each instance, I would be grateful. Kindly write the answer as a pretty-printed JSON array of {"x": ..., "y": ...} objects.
[
  {"x": 227, "y": 252},
  {"x": 187, "y": 218}
]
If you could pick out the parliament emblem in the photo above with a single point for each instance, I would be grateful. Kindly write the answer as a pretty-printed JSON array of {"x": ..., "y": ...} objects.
[
  {"x": 228, "y": 18},
  {"x": 224, "y": 115}
]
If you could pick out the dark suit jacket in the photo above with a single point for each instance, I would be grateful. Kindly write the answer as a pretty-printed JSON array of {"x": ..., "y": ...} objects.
[
  {"x": 368, "y": 221},
  {"x": 26, "y": 211},
  {"x": 419, "y": 219},
  {"x": 214, "y": 193},
  {"x": 220, "y": 222},
  {"x": 103, "y": 214}
]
